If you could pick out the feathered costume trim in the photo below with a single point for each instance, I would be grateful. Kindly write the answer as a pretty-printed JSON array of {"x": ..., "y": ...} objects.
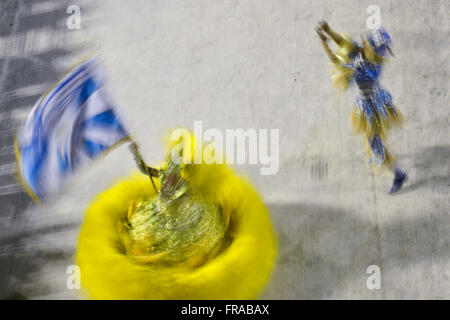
[{"x": 375, "y": 116}]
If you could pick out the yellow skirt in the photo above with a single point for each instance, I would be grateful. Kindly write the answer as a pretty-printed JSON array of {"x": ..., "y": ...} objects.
[{"x": 238, "y": 272}]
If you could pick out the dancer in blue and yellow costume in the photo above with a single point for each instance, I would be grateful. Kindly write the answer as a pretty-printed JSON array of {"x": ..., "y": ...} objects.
[
  {"x": 198, "y": 231},
  {"x": 374, "y": 112}
]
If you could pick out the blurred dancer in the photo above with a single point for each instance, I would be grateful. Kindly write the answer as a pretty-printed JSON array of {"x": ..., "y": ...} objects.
[
  {"x": 204, "y": 233},
  {"x": 182, "y": 231},
  {"x": 374, "y": 113}
]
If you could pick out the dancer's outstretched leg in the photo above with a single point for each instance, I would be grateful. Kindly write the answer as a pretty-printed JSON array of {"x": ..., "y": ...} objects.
[
  {"x": 399, "y": 178},
  {"x": 381, "y": 156}
]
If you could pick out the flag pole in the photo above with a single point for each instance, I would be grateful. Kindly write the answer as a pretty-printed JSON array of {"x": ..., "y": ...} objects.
[{"x": 142, "y": 165}]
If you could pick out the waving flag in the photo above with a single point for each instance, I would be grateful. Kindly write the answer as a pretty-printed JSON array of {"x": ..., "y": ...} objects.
[{"x": 69, "y": 126}]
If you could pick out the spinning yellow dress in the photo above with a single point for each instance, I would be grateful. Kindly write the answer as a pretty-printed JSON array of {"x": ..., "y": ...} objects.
[{"x": 214, "y": 241}]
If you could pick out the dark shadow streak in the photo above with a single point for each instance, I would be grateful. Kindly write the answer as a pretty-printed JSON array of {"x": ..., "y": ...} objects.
[
  {"x": 321, "y": 247},
  {"x": 19, "y": 73},
  {"x": 432, "y": 167}
]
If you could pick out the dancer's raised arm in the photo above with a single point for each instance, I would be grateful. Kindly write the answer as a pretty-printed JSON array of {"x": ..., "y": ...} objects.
[
  {"x": 325, "y": 46},
  {"x": 323, "y": 25}
]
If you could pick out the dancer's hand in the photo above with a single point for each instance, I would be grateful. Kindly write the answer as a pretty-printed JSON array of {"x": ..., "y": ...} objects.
[
  {"x": 324, "y": 25},
  {"x": 321, "y": 35}
]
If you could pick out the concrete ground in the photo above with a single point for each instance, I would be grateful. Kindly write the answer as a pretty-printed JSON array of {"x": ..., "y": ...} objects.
[{"x": 245, "y": 64}]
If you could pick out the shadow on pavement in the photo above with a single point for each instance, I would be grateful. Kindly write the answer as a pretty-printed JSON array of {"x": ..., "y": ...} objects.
[
  {"x": 432, "y": 169},
  {"x": 24, "y": 78},
  {"x": 321, "y": 249}
]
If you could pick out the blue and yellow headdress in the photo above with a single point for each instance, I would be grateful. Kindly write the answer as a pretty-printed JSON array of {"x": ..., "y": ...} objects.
[{"x": 377, "y": 45}]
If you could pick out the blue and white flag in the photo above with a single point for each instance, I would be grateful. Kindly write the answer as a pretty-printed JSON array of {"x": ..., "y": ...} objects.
[{"x": 73, "y": 123}]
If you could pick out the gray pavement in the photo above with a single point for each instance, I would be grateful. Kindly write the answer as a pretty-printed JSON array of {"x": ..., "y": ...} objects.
[{"x": 245, "y": 64}]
